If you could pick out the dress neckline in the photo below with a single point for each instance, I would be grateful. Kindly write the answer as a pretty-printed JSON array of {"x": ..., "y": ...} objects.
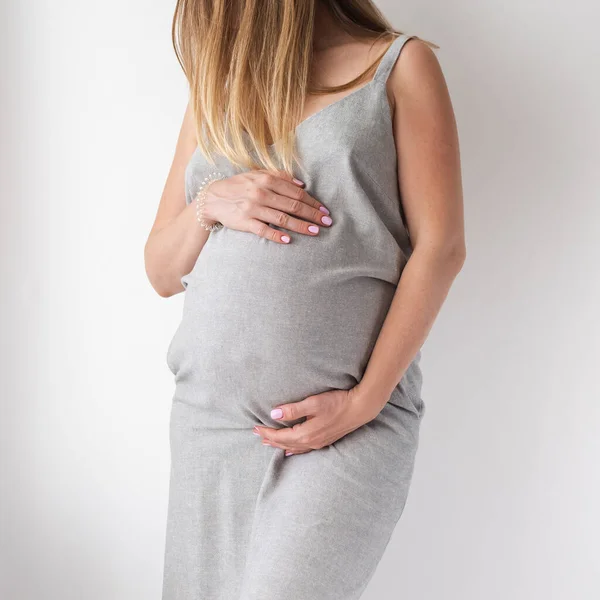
[{"x": 380, "y": 73}]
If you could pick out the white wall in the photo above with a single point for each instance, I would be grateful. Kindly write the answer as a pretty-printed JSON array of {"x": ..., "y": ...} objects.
[{"x": 507, "y": 485}]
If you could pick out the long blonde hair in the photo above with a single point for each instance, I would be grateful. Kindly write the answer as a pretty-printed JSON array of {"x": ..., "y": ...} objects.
[{"x": 248, "y": 64}]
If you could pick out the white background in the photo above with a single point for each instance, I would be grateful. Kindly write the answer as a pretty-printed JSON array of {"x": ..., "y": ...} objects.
[{"x": 505, "y": 497}]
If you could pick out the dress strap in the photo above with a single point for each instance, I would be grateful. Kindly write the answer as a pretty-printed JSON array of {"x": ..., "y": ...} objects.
[{"x": 389, "y": 58}]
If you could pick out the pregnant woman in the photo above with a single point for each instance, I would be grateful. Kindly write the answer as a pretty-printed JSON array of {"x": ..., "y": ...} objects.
[{"x": 313, "y": 216}]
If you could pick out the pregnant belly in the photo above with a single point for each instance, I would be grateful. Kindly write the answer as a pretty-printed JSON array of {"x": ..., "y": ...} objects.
[{"x": 265, "y": 324}]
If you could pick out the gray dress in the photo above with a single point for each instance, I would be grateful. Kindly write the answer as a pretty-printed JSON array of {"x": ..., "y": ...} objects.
[{"x": 265, "y": 324}]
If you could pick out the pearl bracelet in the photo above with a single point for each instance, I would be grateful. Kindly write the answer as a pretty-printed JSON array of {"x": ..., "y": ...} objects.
[{"x": 200, "y": 198}]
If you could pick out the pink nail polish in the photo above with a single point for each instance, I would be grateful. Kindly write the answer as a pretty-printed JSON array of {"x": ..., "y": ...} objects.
[
  {"x": 313, "y": 229},
  {"x": 255, "y": 432},
  {"x": 327, "y": 220},
  {"x": 297, "y": 181},
  {"x": 289, "y": 453},
  {"x": 285, "y": 239},
  {"x": 323, "y": 209},
  {"x": 276, "y": 413}
]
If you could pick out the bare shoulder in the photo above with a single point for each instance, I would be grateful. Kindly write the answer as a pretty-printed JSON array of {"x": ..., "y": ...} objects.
[{"x": 417, "y": 76}]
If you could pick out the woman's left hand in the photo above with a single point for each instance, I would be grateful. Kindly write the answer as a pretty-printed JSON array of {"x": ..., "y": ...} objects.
[{"x": 329, "y": 416}]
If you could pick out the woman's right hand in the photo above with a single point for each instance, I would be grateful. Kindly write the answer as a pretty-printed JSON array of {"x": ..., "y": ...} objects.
[{"x": 252, "y": 200}]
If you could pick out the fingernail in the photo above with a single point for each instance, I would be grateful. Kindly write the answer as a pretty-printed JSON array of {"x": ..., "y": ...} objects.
[
  {"x": 313, "y": 229},
  {"x": 266, "y": 443},
  {"x": 276, "y": 413},
  {"x": 289, "y": 453},
  {"x": 297, "y": 181},
  {"x": 285, "y": 239},
  {"x": 255, "y": 432},
  {"x": 326, "y": 220},
  {"x": 323, "y": 209}
]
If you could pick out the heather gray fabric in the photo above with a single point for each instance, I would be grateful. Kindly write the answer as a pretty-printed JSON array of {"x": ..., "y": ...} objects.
[{"x": 264, "y": 324}]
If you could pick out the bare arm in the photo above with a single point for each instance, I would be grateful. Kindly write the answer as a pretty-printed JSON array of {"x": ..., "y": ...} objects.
[
  {"x": 430, "y": 184},
  {"x": 175, "y": 240}
]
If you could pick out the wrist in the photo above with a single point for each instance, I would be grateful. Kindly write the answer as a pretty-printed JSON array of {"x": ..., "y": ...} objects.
[
  {"x": 373, "y": 396},
  {"x": 209, "y": 208},
  {"x": 205, "y": 202}
]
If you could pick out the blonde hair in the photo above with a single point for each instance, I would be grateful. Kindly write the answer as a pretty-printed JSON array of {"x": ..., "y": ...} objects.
[{"x": 247, "y": 64}]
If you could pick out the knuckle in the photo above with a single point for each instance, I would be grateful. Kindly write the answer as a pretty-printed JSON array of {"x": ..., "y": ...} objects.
[
  {"x": 312, "y": 402},
  {"x": 303, "y": 440},
  {"x": 295, "y": 206},
  {"x": 267, "y": 179},
  {"x": 281, "y": 219},
  {"x": 262, "y": 230}
]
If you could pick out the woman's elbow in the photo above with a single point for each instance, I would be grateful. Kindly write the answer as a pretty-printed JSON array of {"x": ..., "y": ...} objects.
[
  {"x": 447, "y": 254},
  {"x": 165, "y": 286},
  {"x": 457, "y": 255},
  {"x": 166, "y": 291}
]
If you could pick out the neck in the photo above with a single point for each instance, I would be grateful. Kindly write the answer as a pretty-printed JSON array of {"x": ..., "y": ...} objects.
[{"x": 327, "y": 32}]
